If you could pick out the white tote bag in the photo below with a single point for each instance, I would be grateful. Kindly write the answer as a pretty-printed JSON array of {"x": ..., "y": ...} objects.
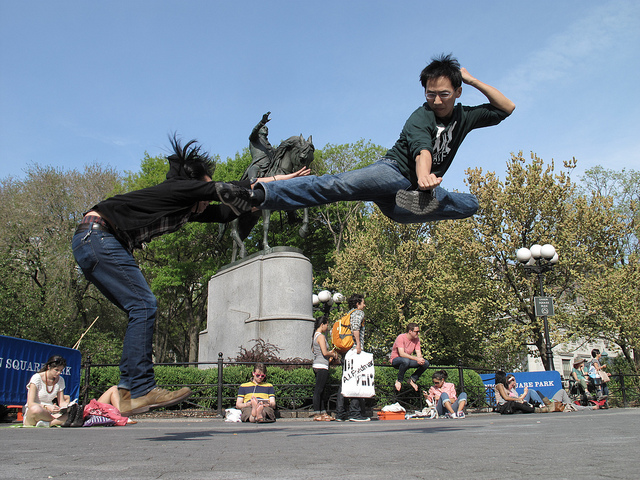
[{"x": 358, "y": 375}]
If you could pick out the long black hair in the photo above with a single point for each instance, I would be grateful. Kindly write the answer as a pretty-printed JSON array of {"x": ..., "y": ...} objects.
[
  {"x": 501, "y": 377},
  {"x": 190, "y": 161},
  {"x": 319, "y": 321},
  {"x": 54, "y": 361}
]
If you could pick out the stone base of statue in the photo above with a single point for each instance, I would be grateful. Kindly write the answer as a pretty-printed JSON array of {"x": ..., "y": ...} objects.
[{"x": 266, "y": 296}]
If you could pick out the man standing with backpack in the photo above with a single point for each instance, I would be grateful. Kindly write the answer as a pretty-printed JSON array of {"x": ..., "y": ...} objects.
[{"x": 357, "y": 407}]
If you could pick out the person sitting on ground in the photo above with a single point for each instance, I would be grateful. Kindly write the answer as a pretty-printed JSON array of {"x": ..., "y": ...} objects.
[
  {"x": 257, "y": 399},
  {"x": 43, "y": 388},
  {"x": 506, "y": 401},
  {"x": 112, "y": 397},
  {"x": 321, "y": 358},
  {"x": 531, "y": 399},
  {"x": 406, "y": 354},
  {"x": 443, "y": 394}
]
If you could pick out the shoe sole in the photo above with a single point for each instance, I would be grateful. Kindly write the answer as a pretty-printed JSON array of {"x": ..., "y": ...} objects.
[
  {"x": 241, "y": 206},
  {"x": 359, "y": 419},
  {"x": 418, "y": 202},
  {"x": 153, "y": 406}
]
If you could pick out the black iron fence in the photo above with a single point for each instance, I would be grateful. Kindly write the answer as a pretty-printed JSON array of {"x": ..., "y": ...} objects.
[{"x": 218, "y": 394}]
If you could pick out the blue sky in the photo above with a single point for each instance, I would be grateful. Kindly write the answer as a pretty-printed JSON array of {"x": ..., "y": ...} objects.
[{"x": 84, "y": 82}]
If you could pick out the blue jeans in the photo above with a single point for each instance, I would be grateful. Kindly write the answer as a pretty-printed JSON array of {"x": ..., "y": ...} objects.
[
  {"x": 378, "y": 183},
  {"x": 533, "y": 398},
  {"x": 403, "y": 364},
  {"x": 444, "y": 397},
  {"x": 114, "y": 271}
]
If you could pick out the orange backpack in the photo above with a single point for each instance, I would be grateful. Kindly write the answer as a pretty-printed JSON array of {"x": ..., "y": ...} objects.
[{"x": 341, "y": 335}]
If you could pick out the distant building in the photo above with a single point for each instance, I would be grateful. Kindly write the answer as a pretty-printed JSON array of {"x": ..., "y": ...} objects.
[{"x": 565, "y": 353}]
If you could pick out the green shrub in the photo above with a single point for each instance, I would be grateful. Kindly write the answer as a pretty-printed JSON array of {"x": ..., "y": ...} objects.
[{"x": 293, "y": 388}]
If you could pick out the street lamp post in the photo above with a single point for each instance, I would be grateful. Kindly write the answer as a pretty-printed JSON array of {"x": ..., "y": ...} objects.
[
  {"x": 540, "y": 259},
  {"x": 324, "y": 301}
]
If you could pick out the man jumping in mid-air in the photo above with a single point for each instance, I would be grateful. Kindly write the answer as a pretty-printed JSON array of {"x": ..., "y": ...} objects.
[{"x": 405, "y": 183}]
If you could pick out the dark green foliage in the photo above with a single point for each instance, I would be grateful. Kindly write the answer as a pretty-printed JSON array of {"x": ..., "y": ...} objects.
[{"x": 294, "y": 387}]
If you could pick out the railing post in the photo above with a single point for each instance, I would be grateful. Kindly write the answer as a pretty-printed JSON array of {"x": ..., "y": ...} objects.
[
  {"x": 460, "y": 375},
  {"x": 220, "y": 357},
  {"x": 624, "y": 392},
  {"x": 87, "y": 376}
]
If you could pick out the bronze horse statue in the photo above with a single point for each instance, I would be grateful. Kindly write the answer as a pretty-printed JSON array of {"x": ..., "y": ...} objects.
[{"x": 290, "y": 156}]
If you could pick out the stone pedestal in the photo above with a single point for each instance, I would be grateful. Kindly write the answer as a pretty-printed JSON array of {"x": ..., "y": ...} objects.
[{"x": 264, "y": 296}]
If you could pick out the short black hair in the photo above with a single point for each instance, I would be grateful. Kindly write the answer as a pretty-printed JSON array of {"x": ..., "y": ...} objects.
[
  {"x": 355, "y": 299},
  {"x": 440, "y": 375},
  {"x": 442, "y": 66}
]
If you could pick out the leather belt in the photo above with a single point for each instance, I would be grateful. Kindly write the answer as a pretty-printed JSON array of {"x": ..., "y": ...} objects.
[{"x": 83, "y": 227}]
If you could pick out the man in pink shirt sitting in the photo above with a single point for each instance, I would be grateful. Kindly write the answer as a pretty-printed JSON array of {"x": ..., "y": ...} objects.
[{"x": 406, "y": 354}]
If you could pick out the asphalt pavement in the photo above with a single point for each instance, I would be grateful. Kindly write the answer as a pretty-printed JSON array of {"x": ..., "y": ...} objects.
[{"x": 584, "y": 445}]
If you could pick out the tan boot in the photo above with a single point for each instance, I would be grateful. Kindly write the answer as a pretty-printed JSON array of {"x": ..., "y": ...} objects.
[
  {"x": 125, "y": 402},
  {"x": 156, "y": 398},
  {"x": 544, "y": 409},
  {"x": 558, "y": 407}
]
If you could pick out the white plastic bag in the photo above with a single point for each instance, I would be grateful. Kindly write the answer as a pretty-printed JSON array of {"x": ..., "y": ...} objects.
[
  {"x": 232, "y": 415},
  {"x": 394, "y": 407},
  {"x": 358, "y": 375}
]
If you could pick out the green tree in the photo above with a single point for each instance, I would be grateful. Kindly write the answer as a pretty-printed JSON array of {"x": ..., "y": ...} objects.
[
  {"x": 612, "y": 307},
  {"x": 623, "y": 187},
  {"x": 459, "y": 280},
  {"x": 339, "y": 218},
  {"x": 41, "y": 297},
  {"x": 537, "y": 205}
]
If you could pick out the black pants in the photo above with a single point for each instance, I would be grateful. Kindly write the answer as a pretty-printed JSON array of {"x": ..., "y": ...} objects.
[
  {"x": 319, "y": 397},
  {"x": 357, "y": 406}
]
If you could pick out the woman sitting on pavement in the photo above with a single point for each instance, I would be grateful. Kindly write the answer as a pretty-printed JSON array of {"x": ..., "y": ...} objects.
[
  {"x": 321, "y": 358},
  {"x": 257, "y": 399},
  {"x": 443, "y": 394},
  {"x": 507, "y": 400},
  {"x": 529, "y": 401},
  {"x": 44, "y": 387}
]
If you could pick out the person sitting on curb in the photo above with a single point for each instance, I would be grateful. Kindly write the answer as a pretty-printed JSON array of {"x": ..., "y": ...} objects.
[
  {"x": 44, "y": 387},
  {"x": 257, "y": 399},
  {"x": 443, "y": 394},
  {"x": 406, "y": 354},
  {"x": 530, "y": 401}
]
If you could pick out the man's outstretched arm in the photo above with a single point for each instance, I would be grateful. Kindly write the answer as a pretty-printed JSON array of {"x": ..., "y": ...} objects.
[{"x": 495, "y": 96}]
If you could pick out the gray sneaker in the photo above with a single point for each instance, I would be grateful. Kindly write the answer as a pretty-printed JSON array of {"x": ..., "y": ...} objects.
[
  {"x": 359, "y": 419},
  {"x": 237, "y": 198},
  {"x": 418, "y": 202}
]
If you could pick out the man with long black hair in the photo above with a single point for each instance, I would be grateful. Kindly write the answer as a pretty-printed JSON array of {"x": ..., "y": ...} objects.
[{"x": 111, "y": 230}]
